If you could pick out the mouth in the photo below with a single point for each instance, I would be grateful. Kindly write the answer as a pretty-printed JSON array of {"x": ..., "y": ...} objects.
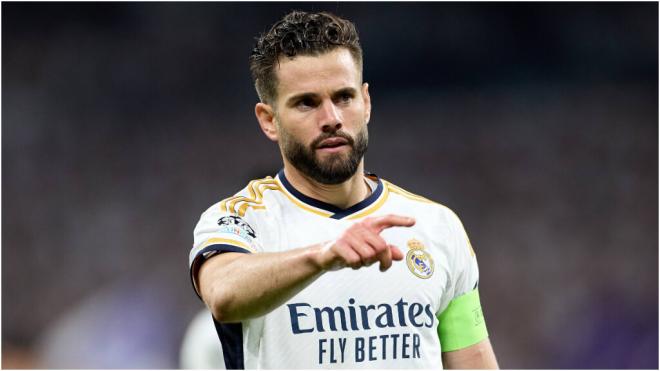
[{"x": 334, "y": 143}]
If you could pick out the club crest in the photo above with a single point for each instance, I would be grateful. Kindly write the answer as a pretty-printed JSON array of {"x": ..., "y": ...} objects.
[{"x": 419, "y": 260}]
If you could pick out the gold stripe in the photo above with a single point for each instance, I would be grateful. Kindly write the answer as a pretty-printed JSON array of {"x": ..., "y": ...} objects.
[
  {"x": 255, "y": 192},
  {"x": 302, "y": 205},
  {"x": 470, "y": 245},
  {"x": 258, "y": 194},
  {"x": 213, "y": 241},
  {"x": 407, "y": 194},
  {"x": 375, "y": 206},
  {"x": 246, "y": 203},
  {"x": 223, "y": 204},
  {"x": 231, "y": 206},
  {"x": 256, "y": 204},
  {"x": 228, "y": 204}
]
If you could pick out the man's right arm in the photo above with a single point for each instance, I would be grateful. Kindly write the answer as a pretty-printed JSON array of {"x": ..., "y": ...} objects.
[{"x": 238, "y": 286}]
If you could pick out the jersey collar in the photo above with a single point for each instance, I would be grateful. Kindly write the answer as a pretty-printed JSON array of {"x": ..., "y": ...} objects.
[{"x": 375, "y": 199}]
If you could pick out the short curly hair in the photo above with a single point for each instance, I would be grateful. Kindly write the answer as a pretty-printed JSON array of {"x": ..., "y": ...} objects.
[{"x": 299, "y": 33}]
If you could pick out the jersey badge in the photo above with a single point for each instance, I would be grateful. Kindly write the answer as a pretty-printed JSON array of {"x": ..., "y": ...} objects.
[
  {"x": 237, "y": 226},
  {"x": 419, "y": 261}
]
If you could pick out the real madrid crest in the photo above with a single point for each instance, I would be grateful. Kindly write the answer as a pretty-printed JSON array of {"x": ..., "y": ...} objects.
[{"x": 419, "y": 260}]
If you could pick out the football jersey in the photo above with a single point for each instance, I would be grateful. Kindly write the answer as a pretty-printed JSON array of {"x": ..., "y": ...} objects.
[{"x": 346, "y": 318}]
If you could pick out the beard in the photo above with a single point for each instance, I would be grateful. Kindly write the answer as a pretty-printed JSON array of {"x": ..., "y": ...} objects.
[{"x": 336, "y": 168}]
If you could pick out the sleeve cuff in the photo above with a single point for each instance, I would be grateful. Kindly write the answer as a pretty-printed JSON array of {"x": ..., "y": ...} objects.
[{"x": 205, "y": 253}]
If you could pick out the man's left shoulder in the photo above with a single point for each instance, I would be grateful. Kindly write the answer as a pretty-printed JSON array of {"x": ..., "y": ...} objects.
[
  {"x": 432, "y": 212},
  {"x": 414, "y": 200}
]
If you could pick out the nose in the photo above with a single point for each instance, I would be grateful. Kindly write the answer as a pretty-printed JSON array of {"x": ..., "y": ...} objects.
[{"x": 330, "y": 118}]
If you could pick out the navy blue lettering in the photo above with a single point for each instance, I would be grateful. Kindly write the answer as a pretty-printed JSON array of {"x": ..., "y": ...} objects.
[
  {"x": 359, "y": 349},
  {"x": 342, "y": 348},
  {"x": 394, "y": 348},
  {"x": 415, "y": 310},
  {"x": 345, "y": 318},
  {"x": 398, "y": 345},
  {"x": 321, "y": 350},
  {"x": 399, "y": 306},
  {"x": 293, "y": 312},
  {"x": 332, "y": 351},
  {"x": 405, "y": 346},
  {"x": 365, "y": 316},
  {"x": 372, "y": 348},
  {"x": 384, "y": 337},
  {"x": 387, "y": 315},
  {"x": 331, "y": 318},
  {"x": 352, "y": 316},
  {"x": 429, "y": 312}
]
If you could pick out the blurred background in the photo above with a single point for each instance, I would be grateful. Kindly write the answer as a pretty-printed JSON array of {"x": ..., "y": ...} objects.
[{"x": 536, "y": 123}]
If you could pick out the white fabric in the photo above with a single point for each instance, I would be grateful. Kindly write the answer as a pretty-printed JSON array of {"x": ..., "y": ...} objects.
[{"x": 389, "y": 318}]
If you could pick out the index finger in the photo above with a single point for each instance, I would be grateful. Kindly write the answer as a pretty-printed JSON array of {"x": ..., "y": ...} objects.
[{"x": 391, "y": 220}]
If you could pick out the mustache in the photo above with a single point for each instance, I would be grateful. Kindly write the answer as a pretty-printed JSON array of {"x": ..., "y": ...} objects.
[{"x": 337, "y": 134}]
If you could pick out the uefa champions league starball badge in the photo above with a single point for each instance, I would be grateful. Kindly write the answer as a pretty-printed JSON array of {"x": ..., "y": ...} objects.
[{"x": 419, "y": 261}]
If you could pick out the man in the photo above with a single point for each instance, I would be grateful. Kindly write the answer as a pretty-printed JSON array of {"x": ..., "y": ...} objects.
[{"x": 273, "y": 263}]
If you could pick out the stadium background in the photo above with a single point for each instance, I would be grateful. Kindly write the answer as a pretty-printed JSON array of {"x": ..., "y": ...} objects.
[{"x": 536, "y": 123}]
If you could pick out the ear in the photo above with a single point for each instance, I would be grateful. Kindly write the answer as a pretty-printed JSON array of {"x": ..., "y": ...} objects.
[
  {"x": 367, "y": 102},
  {"x": 266, "y": 117}
]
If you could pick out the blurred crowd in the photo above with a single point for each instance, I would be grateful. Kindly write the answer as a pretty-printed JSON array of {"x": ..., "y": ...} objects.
[{"x": 536, "y": 123}]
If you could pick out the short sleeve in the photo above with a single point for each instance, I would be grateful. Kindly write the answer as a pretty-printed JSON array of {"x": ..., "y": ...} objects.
[
  {"x": 461, "y": 322},
  {"x": 216, "y": 232},
  {"x": 465, "y": 270}
]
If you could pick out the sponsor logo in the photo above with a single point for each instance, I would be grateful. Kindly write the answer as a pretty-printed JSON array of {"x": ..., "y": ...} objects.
[
  {"x": 236, "y": 225},
  {"x": 353, "y": 317},
  {"x": 419, "y": 261},
  {"x": 338, "y": 326}
]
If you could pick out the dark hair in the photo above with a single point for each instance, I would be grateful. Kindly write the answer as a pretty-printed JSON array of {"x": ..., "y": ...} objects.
[{"x": 299, "y": 33}]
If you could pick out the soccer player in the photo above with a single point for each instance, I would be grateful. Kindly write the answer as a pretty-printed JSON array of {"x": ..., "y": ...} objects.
[{"x": 325, "y": 265}]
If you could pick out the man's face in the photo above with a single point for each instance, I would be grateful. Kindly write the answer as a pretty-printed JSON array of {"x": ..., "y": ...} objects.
[{"x": 321, "y": 115}]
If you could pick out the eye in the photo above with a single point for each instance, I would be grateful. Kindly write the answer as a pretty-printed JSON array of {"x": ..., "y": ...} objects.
[
  {"x": 345, "y": 98},
  {"x": 306, "y": 103}
]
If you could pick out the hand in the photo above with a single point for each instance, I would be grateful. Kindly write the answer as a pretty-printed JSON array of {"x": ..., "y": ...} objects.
[{"x": 361, "y": 245}]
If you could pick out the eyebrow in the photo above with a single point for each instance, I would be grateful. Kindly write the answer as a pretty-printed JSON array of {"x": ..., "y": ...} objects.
[
  {"x": 347, "y": 90},
  {"x": 301, "y": 96}
]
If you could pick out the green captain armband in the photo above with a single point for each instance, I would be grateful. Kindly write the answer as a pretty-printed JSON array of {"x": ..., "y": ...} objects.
[{"x": 462, "y": 322}]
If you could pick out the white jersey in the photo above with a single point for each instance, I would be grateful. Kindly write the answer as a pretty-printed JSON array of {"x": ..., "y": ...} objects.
[{"x": 346, "y": 318}]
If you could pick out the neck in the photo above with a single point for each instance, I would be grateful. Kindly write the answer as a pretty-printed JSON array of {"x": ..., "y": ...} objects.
[{"x": 342, "y": 195}]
